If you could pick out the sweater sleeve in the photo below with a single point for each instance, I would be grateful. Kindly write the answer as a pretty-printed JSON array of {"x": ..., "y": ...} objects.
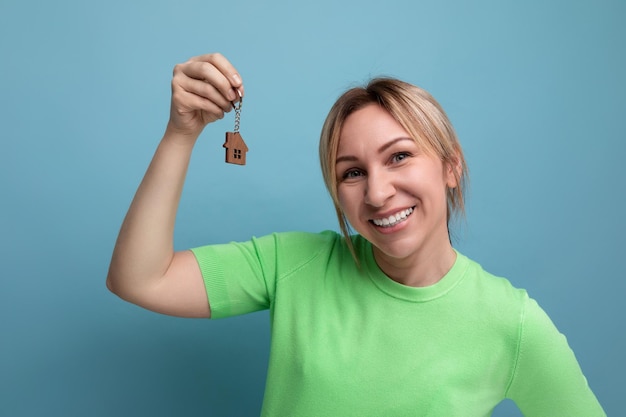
[
  {"x": 241, "y": 277},
  {"x": 235, "y": 276},
  {"x": 548, "y": 381}
]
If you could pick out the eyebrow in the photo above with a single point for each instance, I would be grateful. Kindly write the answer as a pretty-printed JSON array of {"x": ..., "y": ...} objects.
[{"x": 382, "y": 149}]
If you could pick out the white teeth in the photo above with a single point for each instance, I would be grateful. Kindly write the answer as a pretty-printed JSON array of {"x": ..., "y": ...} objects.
[{"x": 393, "y": 219}]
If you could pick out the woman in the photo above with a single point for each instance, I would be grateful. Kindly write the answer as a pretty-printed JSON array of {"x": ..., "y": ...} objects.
[{"x": 390, "y": 321}]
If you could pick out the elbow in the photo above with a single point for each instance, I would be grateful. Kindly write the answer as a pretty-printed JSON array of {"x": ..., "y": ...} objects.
[
  {"x": 118, "y": 289},
  {"x": 124, "y": 288},
  {"x": 111, "y": 284}
]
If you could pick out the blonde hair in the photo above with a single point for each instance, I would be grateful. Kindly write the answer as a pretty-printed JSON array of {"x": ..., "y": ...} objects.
[{"x": 418, "y": 113}]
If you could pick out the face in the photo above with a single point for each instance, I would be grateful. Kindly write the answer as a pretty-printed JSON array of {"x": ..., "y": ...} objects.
[{"x": 391, "y": 191}]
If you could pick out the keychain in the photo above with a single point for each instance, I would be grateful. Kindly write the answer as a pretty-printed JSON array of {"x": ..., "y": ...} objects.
[{"x": 235, "y": 146}]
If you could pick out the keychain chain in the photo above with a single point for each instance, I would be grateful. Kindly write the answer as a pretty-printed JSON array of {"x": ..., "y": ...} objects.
[{"x": 238, "y": 114}]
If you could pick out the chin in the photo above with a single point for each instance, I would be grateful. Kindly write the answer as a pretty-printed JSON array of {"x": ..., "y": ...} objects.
[{"x": 397, "y": 250}]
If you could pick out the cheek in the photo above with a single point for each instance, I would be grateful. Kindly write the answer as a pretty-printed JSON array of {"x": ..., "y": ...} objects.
[
  {"x": 341, "y": 198},
  {"x": 347, "y": 201}
]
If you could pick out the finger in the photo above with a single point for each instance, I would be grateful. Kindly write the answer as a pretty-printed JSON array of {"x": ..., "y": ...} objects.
[
  {"x": 186, "y": 102},
  {"x": 239, "y": 99},
  {"x": 206, "y": 91},
  {"x": 212, "y": 75},
  {"x": 225, "y": 67},
  {"x": 209, "y": 110},
  {"x": 204, "y": 79},
  {"x": 190, "y": 94}
]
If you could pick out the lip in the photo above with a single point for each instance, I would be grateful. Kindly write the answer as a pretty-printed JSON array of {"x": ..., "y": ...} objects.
[{"x": 397, "y": 226}]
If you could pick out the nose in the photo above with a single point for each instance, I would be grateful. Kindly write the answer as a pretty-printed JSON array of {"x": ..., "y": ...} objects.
[{"x": 379, "y": 189}]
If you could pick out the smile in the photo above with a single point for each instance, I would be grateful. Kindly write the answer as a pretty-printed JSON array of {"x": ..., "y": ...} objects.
[{"x": 393, "y": 219}]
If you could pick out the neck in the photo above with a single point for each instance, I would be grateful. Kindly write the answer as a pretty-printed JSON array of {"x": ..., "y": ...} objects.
[{"x": 421, "y": 269}]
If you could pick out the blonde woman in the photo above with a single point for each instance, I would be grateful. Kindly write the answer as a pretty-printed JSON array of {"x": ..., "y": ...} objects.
[{"x": 388, "y": 321}]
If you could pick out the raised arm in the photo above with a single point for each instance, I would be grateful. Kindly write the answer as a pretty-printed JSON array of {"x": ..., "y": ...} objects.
[{"x": 144, "y": 268}]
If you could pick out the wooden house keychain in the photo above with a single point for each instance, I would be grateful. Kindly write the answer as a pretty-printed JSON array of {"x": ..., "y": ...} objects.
[{"x": 235, "y": 146}]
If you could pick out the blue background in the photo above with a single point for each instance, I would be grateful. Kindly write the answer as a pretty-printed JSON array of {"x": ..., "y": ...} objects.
[{"x": 536, "y": 90}]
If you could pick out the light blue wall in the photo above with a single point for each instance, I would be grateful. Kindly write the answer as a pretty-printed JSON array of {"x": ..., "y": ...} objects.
[{"x": 536, "y": 90}]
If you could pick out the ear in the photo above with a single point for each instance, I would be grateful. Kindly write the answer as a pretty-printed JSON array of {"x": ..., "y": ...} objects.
[{"x": 453, "y": 170}]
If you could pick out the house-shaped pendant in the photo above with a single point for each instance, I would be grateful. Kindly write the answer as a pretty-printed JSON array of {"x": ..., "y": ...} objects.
[{"x": 235, "y": 148}]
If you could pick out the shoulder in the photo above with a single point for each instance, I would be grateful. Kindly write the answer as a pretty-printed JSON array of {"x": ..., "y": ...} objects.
[
  {"x": 509, "y": 305},
  {"x": 298, "y": 240},
  {"x": 492, "y": 285},
  {"x": 291, "y": 251},
  {"x": 297, "y": 244},
  {"x": 299, "y": 249},
  {"x": 279, "y": 243},
  {"x": 496, "y": 297}
]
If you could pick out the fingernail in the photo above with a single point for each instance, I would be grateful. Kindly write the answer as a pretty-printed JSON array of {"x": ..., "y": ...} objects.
[
  {"x": 236, "y": 78},
  {"x": 231, "y": 95}
]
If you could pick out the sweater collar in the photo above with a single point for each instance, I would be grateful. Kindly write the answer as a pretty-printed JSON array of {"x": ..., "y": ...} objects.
[{"x": 404, "y": 292}]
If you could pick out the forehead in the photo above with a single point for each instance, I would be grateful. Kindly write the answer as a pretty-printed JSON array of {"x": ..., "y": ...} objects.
[{"x": 369, "y": 127}]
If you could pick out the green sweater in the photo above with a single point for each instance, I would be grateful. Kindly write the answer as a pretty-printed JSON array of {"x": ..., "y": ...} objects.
[{"x": 349, "y": 341}]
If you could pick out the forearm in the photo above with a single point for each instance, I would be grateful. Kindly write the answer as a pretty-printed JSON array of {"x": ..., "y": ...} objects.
[
  {"x": 145, "y": 248},
  {"x": 144, "y": 268}
]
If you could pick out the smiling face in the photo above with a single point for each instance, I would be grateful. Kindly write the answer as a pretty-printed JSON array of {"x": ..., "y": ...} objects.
[
  {"x": 419, "y": 116},
  {"x": 390, "y": 190}
]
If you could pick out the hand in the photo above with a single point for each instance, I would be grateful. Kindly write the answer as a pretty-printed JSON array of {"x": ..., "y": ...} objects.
[{"x": 203, "y": 89}]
